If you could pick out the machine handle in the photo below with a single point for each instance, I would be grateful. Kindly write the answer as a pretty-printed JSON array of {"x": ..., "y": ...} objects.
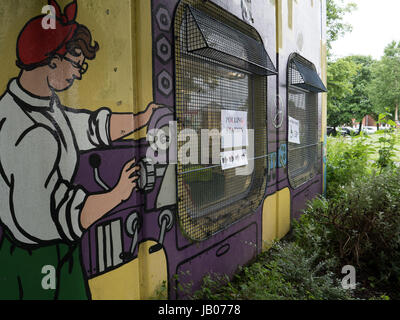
[
  {"x": 147, "y": 175},
  {"x": 95, "y": 162},
  {"x": 165, "y": 221},
  {"x": 133, "y": 226}
]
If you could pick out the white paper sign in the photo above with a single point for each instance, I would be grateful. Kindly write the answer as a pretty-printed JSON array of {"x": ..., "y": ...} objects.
[
  {"x": 294, "y": 131},
  {"x": 233, "y": 159},
  {"x": 233, "y": 129}
]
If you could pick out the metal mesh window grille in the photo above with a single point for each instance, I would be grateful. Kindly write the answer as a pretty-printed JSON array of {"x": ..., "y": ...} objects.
[
  {"x": 211, "y": 199},
  {"x": 211, "y": 38},
  {"x": 304, "y": 75},
  {"x": 303, "y": 158}
]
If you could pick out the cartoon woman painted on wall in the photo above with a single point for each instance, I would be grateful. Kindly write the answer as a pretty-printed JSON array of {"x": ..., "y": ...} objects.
[{"x": 44, "y": 215}]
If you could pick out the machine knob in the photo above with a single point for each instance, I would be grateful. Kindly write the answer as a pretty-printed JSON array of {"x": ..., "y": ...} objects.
[
  {"x": 147, "y": 175},
  {"x": 95, "y": 161}
]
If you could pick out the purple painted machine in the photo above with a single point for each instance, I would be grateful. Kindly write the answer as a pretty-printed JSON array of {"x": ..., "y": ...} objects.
[{"x": 150, "y": 215}]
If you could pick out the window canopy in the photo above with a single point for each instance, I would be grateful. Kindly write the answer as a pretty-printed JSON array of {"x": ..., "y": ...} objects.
[
  {"x": 215, "y": 40},
  {"x": 304, "y": 75}
]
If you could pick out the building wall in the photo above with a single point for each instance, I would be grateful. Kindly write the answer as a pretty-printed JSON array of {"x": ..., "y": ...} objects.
[{"x": 133, "y": 68}]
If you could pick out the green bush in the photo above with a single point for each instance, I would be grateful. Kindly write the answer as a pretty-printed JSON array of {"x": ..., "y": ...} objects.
[
  {"x": 285, "y": 272},
  {"x": 358, "y": 223},
  {"x": 360, "y": 227},
  {"x": 347, "y": 159},
  {"x": 387, "y": 144},
  {"x": 387, "y": 150}
]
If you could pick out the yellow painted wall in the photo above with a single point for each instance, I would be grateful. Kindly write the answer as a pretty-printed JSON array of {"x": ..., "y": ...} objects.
[
  {"x": 276, "y": 217},
  {"x": 269, "y": 221},
  {"x": 142, "y": 278},
  {"x": 109, "y": 80},
  {"x": 279, "y": 27},
  {"x": 153, "y": 272},
  {"x": 120, "y": 284}
]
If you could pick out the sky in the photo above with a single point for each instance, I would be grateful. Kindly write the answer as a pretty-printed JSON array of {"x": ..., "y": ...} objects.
[{"x": 375, "y": 24}]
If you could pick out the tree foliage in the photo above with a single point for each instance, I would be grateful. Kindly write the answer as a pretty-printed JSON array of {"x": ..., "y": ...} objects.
[
  {"x": 350, "y": 92},
  {"x": 336, "y": 27},
  {"x": 341, "y": 75},
  {"x": 358, "y": 85},
  {"x": 384, "y": 89},
  {"x": 342, "y": 71},
  {"x": 359, "y": 103}
]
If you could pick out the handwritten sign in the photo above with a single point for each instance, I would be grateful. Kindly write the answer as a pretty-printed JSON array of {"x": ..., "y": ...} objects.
[
  {"x": 233, "y": 129},
  {"x": 294, "y": 131}
]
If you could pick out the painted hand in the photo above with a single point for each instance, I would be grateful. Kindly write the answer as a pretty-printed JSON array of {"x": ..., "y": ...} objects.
[{"x": 127, "y": 181}]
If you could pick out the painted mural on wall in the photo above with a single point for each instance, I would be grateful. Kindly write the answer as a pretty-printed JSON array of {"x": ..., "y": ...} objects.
[
  {"x": 43, "y": 213},
  {"x": 83, "y": 204}
]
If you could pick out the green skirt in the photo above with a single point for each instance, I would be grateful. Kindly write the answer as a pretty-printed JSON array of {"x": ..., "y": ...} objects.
[{"x": 45, "y": 273}]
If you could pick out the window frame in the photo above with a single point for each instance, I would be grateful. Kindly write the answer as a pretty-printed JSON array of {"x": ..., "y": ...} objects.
[
  {"x": 253, "y": 86},
  {"x": 315, "y": 167}
]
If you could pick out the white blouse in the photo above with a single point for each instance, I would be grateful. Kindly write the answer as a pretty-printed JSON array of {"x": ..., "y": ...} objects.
[{"x": 40, "y": 142}]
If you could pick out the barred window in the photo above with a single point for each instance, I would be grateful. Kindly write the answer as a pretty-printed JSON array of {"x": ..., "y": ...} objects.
[
  {"x": 221, "y": 68},
  {"x": 304, "y": 148}
]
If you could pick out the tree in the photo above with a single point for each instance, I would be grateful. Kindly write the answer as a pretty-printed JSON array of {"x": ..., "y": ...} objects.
[
  {"x": 341, "y": 74},
  {"x": 384, "y": 90},
  {"x": 359, "y": 103},
  {"x": 335, "y": 12}
]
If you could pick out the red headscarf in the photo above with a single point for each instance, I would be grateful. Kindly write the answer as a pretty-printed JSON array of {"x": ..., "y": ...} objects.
[{"x": 36, "y": 44}]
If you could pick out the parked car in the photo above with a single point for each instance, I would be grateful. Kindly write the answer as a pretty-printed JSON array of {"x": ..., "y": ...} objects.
[
  {"x": 330, "y": 130},
  {"x": 352, "y": 130},
  {"x": 386, "y": 128},
  {"x": 369, "y": 129},
  {"x": 345, "y": 131}
]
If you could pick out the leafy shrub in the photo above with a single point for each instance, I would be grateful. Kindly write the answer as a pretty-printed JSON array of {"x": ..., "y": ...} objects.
[
  {"x": 286, "y": 272},
  {"x": 387, "y": 143},
  {"x": 387, "y": 150},
  {"x": 360, "y": 226},
  {"x": 347, "y": 159}
]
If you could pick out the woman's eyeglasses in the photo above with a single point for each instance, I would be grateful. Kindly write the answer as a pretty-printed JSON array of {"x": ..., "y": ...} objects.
[{"x": 82, "y": 68}]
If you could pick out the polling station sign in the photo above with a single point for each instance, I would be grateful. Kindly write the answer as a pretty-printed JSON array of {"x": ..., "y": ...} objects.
[{"x": 233, "y": 129}]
